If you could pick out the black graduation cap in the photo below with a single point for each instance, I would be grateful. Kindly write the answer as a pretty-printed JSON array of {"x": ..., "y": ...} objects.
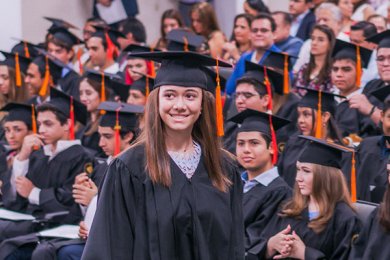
[
  {"x": 102, "y": 31},
  {"x": 278, "y": 60},
  {"x": 127, "y": 115},
  {"x": 257, "y": 72},
  {"x": 141, "y": 84},
  {"x": 62, "y": 102},
  {"x": 212, "y": 80},
  {"x": 58, "y": 23},
  {"x": 256, "y": 121},
  {"x": 311, "y": 99},
  {"x": 20, "y": 112},
  {"x": 184, "y": 40},
  {"x": 382, "y": 39},
  {"x": 180, "y": 68},
  {"x": 321, "y": 152},
  {"x": 111, "y": 81},
  {"x": 347, "y": 50},
  {"x": 65, "y": 36},
  {"x": 25, "y": 48},
  {"x": 10, "y": 61},
  {"x": 382, "y": 93},
  {"x": 139, "y": 48}
]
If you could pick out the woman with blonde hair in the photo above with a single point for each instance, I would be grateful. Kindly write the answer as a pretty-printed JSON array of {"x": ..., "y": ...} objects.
[
  {"x": 204, "y": 22},
  {"x": 175, "y": 194},
  {"x": 319, "y": 221}
]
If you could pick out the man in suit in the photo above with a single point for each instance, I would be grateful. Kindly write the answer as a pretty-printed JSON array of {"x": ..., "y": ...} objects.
[{"x": 303, "y": 18}]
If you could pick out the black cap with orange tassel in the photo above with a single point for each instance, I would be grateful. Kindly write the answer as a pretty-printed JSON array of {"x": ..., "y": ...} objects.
[
  {"x": 18, "y": 62},
  {"x": 110, "y": 37}
]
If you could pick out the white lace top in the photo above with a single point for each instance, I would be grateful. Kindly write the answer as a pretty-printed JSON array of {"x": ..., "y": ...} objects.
[{"x": 187, "y": 162}]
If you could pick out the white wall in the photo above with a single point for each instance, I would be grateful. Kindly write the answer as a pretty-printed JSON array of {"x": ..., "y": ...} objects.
[{"x": 10, "y": 23}]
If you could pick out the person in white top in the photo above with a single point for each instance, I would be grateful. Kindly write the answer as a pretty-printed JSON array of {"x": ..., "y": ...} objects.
[{"x": 362, "y": 10}]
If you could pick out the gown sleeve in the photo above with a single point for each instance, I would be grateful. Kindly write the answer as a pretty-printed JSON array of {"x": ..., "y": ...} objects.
[{"x": 112, "y": 232}]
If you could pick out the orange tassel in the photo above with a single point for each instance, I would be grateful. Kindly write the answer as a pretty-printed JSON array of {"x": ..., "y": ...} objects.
[
  {"x": 274, "y": 142},
  {"x": 353, "y": 179},
  {"x": 79, "y": 54},
  {"x": 185, "y": 43},
  {"x": 33, "y": 120},
  {"x": 218, "y": 104},
  {"x": 318, "y": 133},
  {"x": 358, "y": 66},
  {"x": 103, "y": 89},
  {"x": 267, "y": 84},
  {"x": 71, "y": 132},
  {"x": 117, "y": 129},
  {"x": 18, "y": 74},
  {"x": 147, "y": 89},
  {"x": 286, "y": 76},
  {"x": 112, "y": 51},
  {"x": 46, "y": 80},
  {"x": 26, "y": 51}
]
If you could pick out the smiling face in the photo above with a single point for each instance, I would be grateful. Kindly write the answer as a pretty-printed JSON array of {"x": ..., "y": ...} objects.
[
  {"x": 253, "y": 152},
  {"x": 262, "y": 36},
  {"x": 15, "y": 131},
  {"x": 179, "y": 107},
  {"x": 89, "y": 96},
  {"x": 304, "y": 178}
]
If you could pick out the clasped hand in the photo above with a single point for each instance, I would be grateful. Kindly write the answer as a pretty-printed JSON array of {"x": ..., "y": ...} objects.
[{"x": 286, "y": 244}]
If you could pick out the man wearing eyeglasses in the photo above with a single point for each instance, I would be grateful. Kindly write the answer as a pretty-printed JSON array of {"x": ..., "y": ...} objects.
[{"x": 262, "y": 39}]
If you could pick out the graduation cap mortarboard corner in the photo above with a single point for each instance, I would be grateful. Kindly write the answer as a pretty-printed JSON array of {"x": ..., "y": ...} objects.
[
  {"x": 17, "y": 62},
  {"x": 21, "y": 112},
  {"x": 186, "y": 69},
  {"x": 25, "y": 48},
  {"x": 58, "y": 23},
  {"x": 212, "y": 80},
  {"x": 321, "y": 152},
  {"x": 139, "y": 48},
  {"x": 183, "y": 40},
  {"x": 347, "y": 50},
  {"x": 382, "y": 39},
  {"x": 256, "y": 121},
  {"x": 65, "y": 36},
  {"x": 143, "y": 84},
  {"x": 320, "y": 101},
  {"x": 119, "y": 116}
]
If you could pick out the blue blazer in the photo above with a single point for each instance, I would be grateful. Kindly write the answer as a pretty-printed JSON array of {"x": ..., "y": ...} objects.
[{"x": 306, "y": 26}]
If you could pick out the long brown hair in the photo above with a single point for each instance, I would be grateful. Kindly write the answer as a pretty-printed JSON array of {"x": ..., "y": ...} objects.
[
  {"x": 15, "y": 94},
  {"x": 329, "y": 187},
  {"x": 384, "y": 210},
  {"x": 172, "y": 14},
  {"x": 326, "y": 68},
  {"x": 204, "y": 132},
  {"x": 207, "y": 17}
]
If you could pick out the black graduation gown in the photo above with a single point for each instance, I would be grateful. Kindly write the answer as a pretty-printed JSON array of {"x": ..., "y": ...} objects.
[
  {"x": 70, "y": 84},
  {"x": 370, "y": 87},
  {"x": 136, "y": 219},
  {"x": 55, "y": 179},
  {"x": 373, "y": 241},
  {"x": 230, "y": 135},
  {"x": 260, "y": 204},
  {"x": 371, "y": 170},
  {"x": 351, "y": 121},
  {"x": 333, "y": 242}
]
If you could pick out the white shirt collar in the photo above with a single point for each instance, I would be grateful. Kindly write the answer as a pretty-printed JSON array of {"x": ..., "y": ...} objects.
[{"x": 61, "y": 146}]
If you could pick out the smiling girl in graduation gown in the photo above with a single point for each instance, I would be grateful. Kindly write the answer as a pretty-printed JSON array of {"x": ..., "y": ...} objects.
[
  {"x": 174, "y": 194},
  {"x": 319, "y": 221}
]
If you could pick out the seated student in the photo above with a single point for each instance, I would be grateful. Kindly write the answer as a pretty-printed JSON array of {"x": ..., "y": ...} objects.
[
  {"x": 309, "y": 124},
  {"x": 17, "y": 124},
  {"x": 60, "y": 46},
  {"x": 96, "y": 87},
  {"x": 136, "y": 67},
  {"x": 85, "y": 187},
  {"x": 45, "y": 167},
  {"x": 252, "y": 92},
  {"x": 39, "y": 79},
  {"x": 319, "y": 221},
  {"x": 138, "y": 91},
  {"x": 346, "y": 76},
  {"x": 372, "y": 154},
  {"x": 256, "y": 151},
  {"x": 375, "y": 235}
]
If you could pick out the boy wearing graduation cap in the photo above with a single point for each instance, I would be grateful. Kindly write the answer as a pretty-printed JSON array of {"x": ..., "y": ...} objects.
[
  {"x": 139, "y": 89},
  {"x": 366, "y": 103},
  {"x": 47, "y": 164},
  {"x": 103, "y": 48},
  {"x": 349, "y": 61},
  {"x": 60, "y": 46},
  {"x": 42, "y": 74},
  {"x": 264, "y": 190}
]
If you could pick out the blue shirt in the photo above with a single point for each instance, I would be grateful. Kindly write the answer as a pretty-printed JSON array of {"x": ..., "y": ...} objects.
[
  {"x": 385, "y": 152},
  {"x": 313, "y": 214},
  {"x": 291, "y": 45},
  {"x": 239, "y": 70},
  {"x": 264, "y": 178}
]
